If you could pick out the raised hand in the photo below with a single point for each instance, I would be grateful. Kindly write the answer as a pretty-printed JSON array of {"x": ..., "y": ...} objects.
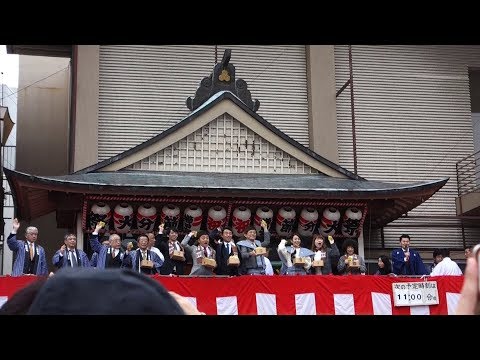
[
  {"x": 99, "y": 225},
  {"x": 263, "y": 224},
  {"x": 15, "y": 224},
  {"x": 129, "y": 246}
]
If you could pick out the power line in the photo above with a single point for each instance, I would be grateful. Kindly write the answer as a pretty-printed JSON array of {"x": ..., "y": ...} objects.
[
  {"x": 421, "y": 211},
  {"x": 36, "y": 82},
  {"x": 10, "y": 94},
  {"x": 16, "y": 92},
  {"x": 173, "y": 122},
  {"x": 453, "y": 147},
  {"x": 269, "y": 65}
]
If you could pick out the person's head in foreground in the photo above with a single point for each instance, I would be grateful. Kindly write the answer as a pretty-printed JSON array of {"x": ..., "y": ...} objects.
[{"x": 90, "y": 291}]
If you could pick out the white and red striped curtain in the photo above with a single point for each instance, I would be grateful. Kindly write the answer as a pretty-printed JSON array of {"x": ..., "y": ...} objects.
[
  {"x": 293, "y": 295},
  {"x": 308, "y": 295}
]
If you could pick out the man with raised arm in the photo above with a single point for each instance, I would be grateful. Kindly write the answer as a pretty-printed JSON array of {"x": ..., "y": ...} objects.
[
  {"x": 29, "y": 256},
  {"x": 253, "y": 262},
  {"x": 110, "y": 255},
  {"x": 68, "y": 255}
]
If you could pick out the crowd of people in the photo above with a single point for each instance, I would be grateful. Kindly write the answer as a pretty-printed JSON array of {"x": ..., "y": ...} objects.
[
  {"x": 113, "y": 267},
  {"x": 216, "y": 253}
]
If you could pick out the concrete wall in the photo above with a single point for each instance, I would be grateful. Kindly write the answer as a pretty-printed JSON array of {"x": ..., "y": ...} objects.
[
  {"x": 321, "y": 101},
  {"x": 321, "y": 96},
  {"x": 42, "y": 137},
  {"x": 86, "y": 106},
  {"x": 9, "y": 162},
  {"x": 43, "y": 115}
]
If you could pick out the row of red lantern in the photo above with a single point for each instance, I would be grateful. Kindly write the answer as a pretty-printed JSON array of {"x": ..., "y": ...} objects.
[{"x": 146, "y": 216}]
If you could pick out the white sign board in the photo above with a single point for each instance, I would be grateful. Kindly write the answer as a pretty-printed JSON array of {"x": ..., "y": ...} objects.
[{"x": 415, "y": 293}]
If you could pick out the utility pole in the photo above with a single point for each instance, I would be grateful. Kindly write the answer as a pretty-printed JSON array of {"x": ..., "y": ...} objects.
[
  {"x": 2, "y": 221},
  {"x": 2, "y": 195}
]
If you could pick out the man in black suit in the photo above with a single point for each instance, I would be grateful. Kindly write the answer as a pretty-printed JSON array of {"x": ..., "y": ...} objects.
[
  {"x": 225, "y": 248},
  {"x": 167, "y": 243}
]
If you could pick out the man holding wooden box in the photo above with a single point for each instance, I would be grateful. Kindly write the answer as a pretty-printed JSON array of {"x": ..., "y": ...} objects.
[
  {"x": 252, "y": 251},
  {"x": 173, "y": 252},
  {"x": 203, "y": 255},
  {"x": 227, "y": 257}
]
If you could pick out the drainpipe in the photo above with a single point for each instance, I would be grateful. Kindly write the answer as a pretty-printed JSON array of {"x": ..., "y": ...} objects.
[
  {"x": 352, "y": 108},
  {"x": 73, "y": 108}
]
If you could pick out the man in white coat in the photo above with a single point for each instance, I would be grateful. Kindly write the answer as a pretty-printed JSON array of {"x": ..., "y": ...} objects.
[{"x": 447, "y": 266}]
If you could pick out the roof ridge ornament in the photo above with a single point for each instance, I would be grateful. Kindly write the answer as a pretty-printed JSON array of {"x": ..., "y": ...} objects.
[{"x": 222, "y": 79}]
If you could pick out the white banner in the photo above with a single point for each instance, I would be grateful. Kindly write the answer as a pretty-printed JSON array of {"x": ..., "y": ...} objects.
[{"x": 415, "y": 293}]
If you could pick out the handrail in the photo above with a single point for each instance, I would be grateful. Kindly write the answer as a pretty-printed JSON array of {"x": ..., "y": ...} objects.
[{"x": 468, "y": 174}]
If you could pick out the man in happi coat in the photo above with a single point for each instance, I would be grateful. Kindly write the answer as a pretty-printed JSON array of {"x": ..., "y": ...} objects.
[{"x": 29, "y": 256}]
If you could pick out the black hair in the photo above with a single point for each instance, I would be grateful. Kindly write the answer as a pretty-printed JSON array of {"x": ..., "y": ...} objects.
[
  {"x": 227, "y": 228},
  {"x": 174, "y": 229},
  {"x": 90, "y": 291},
  {"x": 387, "y": 268},
  {"x": 142, "y": 235},
  {"x": 437, "y": 252},
  {"x": 350, "y": 242},
  {"x": 200, "y": 233}
]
